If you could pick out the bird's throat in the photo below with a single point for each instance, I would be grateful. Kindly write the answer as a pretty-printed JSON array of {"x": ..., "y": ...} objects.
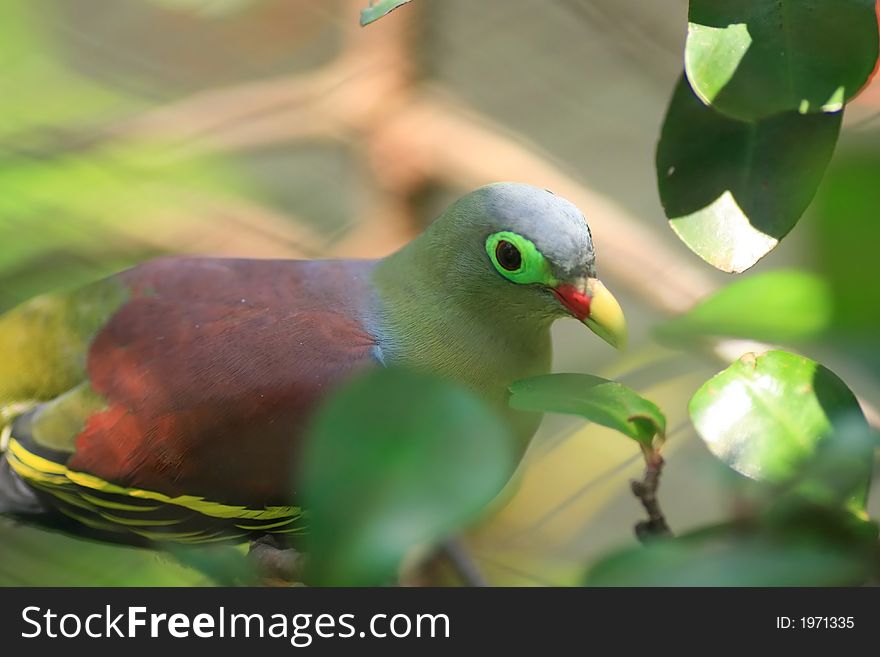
[{"x": 444, "y": 330}]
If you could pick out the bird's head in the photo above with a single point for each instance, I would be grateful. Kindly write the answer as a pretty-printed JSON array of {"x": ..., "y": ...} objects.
[{"x": 529, "y": 253}]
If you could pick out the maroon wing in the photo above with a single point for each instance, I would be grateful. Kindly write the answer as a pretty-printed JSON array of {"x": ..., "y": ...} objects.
[{"x": 213, "y": 368}]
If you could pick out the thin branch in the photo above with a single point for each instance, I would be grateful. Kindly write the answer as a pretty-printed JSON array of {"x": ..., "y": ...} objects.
[
  {"x": 463, "y": 563},
  {"x": 646, "y": 492}
]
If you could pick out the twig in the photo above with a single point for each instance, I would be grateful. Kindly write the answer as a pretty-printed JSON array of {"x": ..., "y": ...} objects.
[
  {"x": 274, "y": 561},
  {"x": 646, "y": 491},
  {"x": 463, "y": 563}
]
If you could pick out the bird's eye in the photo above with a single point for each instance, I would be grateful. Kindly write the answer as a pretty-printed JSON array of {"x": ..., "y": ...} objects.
[
  {"x": 518, "y": 260},
  {"x": 508, "y": 256}
]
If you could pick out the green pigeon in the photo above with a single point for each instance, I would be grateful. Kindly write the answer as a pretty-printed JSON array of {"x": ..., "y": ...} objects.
[{"x": 169, "y": 402}]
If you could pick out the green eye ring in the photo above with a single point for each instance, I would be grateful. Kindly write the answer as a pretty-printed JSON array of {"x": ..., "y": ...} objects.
[{"x": 529, "y": 268}]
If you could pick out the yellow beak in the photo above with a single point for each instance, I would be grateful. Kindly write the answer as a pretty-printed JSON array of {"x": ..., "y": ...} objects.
[{"x": 606, "y": 317}]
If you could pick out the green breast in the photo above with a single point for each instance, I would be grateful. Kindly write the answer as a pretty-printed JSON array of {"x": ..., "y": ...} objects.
[{"x": 478, "y": 354}]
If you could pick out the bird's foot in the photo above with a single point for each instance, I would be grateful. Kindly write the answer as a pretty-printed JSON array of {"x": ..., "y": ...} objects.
[{"x": 275, "y": 562}]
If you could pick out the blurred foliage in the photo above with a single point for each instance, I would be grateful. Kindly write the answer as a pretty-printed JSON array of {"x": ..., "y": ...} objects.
[
  {"x": 209, "y": 8},
  {"x": 751, "y": 59},
  {"x": 760, "y": 554},
  {"x": 396, "y": 461},
  {"x": 39, "y": 190},
  {"x": 223, "y": 565},
  {"x": 32, "y": 556},
  {"x": 70, "y": 195},
  {"x": 848, "y": 235},
  {"x": 780, "y": 306},
  {"x": 39, "y": 89},
  {"x": 96, "y": 211}
]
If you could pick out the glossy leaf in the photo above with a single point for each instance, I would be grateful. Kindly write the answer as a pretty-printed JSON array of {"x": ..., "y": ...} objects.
[
  {"x": 727, "y": 557},
  {"x": 751, "y": 59},
  {"x": 767, "y": 416},
  {"x": 777, "y": 306},
  {"x": 604, "y": 402},
  {"x": 395, "y": 461},
  {"x": 378, "y": 9},
  {"x": 732, "y": 190}
]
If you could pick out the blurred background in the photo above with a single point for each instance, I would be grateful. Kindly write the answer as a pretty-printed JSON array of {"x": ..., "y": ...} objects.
[{"x": 280, "y": 128}]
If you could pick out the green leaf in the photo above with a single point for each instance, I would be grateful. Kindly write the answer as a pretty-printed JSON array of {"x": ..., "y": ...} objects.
[
  {"x": 769, "y": 416},
  {"x": 732, "y": 190},
  {"x": 839, "y": 474},
  {"x": 725, "y": 556},
  {"x": 848, "y": 232},
  {"x": 394, "y": 461},
  {"x": 751, "y": 59},
  {"x": 33, "y": 556},
  {"x": 604, "y": 402},
  {"x": 224, "y": 565},
  {"x": 777, "y": 306},
  {"x": 377, "y": 10}
]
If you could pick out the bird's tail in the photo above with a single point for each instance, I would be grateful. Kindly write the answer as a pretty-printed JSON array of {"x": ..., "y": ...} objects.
[{"x": 15, "y": 495}]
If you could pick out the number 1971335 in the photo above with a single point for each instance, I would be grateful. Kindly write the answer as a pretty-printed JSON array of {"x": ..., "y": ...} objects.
[{"x": 815, "y": 622}]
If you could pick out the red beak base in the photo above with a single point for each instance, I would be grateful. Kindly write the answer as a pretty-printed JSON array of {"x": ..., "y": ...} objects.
[{"x": 576, "y": 301}]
